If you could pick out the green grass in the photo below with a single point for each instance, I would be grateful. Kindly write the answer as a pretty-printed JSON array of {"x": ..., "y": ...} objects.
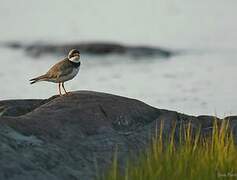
[
  {"x": 2, "y": 110},
  {"x": 192, "y": 157}
]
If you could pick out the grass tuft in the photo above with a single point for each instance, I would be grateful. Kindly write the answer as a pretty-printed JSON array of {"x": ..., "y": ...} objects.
[
  {"x": 193, "y": 156},
  {"x": 2, "y": 110}
]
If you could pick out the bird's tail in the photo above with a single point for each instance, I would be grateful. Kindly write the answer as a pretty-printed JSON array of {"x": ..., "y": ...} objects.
[{"x": 37, "y": 79}]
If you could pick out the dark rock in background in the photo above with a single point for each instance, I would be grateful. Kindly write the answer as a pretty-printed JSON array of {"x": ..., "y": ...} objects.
[
  {"x": 75, "y": 136},
  {"x": 98, "y": 48}
]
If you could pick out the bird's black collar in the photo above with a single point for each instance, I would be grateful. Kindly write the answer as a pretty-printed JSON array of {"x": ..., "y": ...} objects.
[{"x": 75, "y": 64}]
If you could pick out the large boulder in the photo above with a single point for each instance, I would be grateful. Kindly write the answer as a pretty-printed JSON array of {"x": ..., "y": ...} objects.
[{"x": 76, "y": 136}]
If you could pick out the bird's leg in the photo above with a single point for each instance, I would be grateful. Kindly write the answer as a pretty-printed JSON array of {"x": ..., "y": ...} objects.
[
  {"x": 64, "y": 88},
  {"x": 59, "y": 89}
]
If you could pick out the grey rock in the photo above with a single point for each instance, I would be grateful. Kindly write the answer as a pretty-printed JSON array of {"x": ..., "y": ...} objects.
[
  {"x": 76, "y": 136},
  {"x": 98, "y": 48},
  {"x": 18, "y": 107}
]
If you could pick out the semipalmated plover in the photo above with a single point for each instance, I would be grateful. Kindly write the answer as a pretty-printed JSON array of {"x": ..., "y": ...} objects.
[{"x": 63, "y": 71}]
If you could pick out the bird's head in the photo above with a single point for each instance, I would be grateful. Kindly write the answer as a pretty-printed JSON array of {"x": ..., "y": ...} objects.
[{"x": 74, "y": 56}]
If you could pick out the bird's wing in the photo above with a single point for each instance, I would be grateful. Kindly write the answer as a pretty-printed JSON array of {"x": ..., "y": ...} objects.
[{"x": 62, "y": 68}]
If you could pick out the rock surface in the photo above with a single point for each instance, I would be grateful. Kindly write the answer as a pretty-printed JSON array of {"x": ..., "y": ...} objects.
[
  {"x": 99, "y": 48},
  {"x": 75, "y": 136}
]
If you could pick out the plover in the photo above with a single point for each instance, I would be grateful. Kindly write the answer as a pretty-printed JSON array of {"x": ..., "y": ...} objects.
[{"x": 63, "y": 71}]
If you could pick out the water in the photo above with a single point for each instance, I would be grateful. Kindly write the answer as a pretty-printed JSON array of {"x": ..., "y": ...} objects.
[
  {"x": 202, "y": 81},
  {"x": 170, "y": 23}
]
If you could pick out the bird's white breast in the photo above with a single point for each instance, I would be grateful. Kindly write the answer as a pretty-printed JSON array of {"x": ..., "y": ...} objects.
[{"x": 69, "y": 76}]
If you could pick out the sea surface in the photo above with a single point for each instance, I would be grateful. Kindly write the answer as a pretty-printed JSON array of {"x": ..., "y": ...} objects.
[{"x": 203, "y": 80}]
